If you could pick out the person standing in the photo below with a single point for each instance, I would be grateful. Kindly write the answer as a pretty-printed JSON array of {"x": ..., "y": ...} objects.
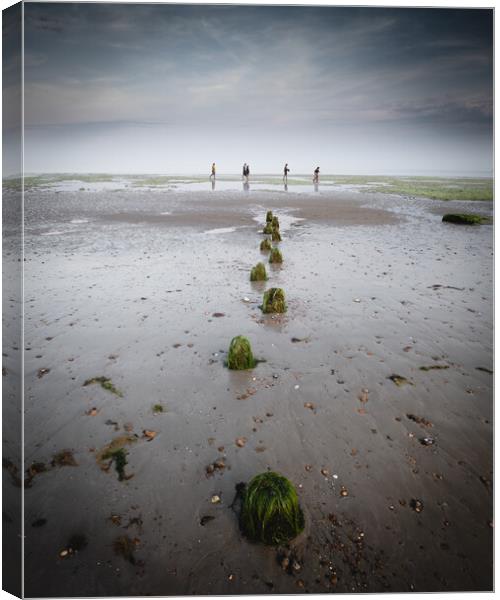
[
  {"x": 212, "y": 176},
  {"x": 286, "y": 170},
  {"x": 244, "y": 171},
  {"x": 316, "y": 175},
  {"x": 247, "y": 172}
]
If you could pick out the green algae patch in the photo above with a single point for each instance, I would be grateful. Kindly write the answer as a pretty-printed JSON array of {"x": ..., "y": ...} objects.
[
  {"x": 265, "y": 245},
  {"x": 275, "y": 222},
  {"x": 276, "y": 236},
  {"x": 240, "y": 356},
  {"x": 269, "y": 216},
  {"x": 268, "y": 229},
  {"x": 275, "y": 256},
  {"x": 464, "y": 219},
  {"x": 157, "y": 408},
  {"x": 274, "y": 301},
  {"x": 270, "y": 511},
  {"x": 434, "y": 367},
  {"x": 106, "y": 384},
  {"x": 258, "y": 273},
  {"x": 115, "y": 452}
]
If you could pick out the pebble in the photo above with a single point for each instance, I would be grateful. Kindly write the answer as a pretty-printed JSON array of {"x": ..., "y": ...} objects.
[
  {"x": 296, "y": 387},
  {"x": 241, "y": 441},
  {"x": 344, "y": 492},
  {"x": 215, "y": 499}
]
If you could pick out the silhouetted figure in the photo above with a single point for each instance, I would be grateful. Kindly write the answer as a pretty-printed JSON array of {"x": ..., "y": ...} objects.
[
  {"x": 246, "y": 172},
  {"x": 316, "y": 175},
  {"x": 212, "y": 176},
  {"x": 286, "y": 170}
]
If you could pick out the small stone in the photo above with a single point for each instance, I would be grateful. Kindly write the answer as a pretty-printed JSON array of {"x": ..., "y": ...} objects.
[
  {"x": 325, "y": 472},
  {"x": 275, "y": 375},
  {"x": 285, "y": 563},
  {"x": 417, "y": 505},
  {"x": 309, "y": 405},
  {"x": 344, "y": 492},
  {"x": 215, "y": 499},
  {"x": 241, "y": 441},
  {"x": 64, "y": 553}
]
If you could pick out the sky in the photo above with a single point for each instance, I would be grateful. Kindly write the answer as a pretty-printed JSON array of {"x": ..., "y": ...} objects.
[{"x": 157, "y": 88}]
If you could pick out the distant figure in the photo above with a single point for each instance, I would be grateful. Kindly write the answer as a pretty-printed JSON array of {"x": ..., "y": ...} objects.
[
  {"x": 212, "y": 176},
  {"x": 316, "y": 175},
  {"x": 246, "y": 172},
  {"x": 286, "y": 170}
]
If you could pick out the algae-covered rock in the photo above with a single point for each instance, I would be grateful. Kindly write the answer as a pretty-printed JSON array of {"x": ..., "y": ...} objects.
[
  {"x": 276, "y": 237},
  {"x": 265, "y": 245},
  {"x": 274, "y": 301},
  {"x": 268, "y": 229},
  {"x": 275, "y": 256},
  {"x": 464, "y": 219},
  {"x": 240, "y": 355},
  {"x": 275, "y": 223},
  {"x": 270, "y": 510},
  {"x": 258, "y": 273},
  {"x": 269, "y": 216}
]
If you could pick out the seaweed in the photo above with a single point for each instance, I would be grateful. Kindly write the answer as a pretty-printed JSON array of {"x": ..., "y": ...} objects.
[
  {"x": 275, "y": 256},
  {"x": 270, "y": 511},
  {"x": 157, "y": 408},
  {"x": 240, "y": 355},
  {"x": 276, "y": 236},
  {"x": 258, "y": 273},
  {"x": 64, "y": 458},
  {"x": 274, "y": 301},
  {"x": 265, "y": 245},
  {"x": 275, "y": 223},
  {"x": 434, "y": 367},
  {"x": 125, "y": 547},
  {"x": 399, "y": 380},
  {"x": 114, "y": 452},
  {"x": 268, "y": 229},
  {"x": 105, "y": 383},
  {"x": 464, "y": 219},
  {"x": 269, "y": 216}
]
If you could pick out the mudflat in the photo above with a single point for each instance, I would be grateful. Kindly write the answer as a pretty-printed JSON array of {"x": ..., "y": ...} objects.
[{"x": 375, "y": 398}]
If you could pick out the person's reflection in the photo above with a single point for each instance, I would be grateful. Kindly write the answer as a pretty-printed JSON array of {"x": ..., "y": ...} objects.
[
  {"x": 213, "y": 184},
  {"x": 246, "y": 186},
  {"x": 286, "y": 187},
  {"x": 316, "y": 187}
]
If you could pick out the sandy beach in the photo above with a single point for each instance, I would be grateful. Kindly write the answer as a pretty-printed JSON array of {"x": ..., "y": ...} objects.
[{"x": 146, "y": 288}]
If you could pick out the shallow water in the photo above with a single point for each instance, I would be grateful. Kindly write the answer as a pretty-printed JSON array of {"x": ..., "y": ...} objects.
[{"x": 125, "y": 284}]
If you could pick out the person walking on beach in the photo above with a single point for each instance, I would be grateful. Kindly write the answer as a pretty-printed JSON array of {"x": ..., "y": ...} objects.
[
  {"x": 316, "y": 175},
  {"x": 285, "y": 173},
  {"x": 212, "y": 176},
  {"x": 246, "y": 172}
]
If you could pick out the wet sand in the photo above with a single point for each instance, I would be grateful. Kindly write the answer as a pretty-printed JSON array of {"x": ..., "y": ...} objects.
[{"x": 126, "y": 284}]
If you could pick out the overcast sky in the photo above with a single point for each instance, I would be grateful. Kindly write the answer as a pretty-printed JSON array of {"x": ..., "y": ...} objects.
[{"x": 170, "y": 89}]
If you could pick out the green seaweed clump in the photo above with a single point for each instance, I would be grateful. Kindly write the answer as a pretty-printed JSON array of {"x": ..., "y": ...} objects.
[
  {"x": 270, "y": 510},
  {"x": 268, "y": 229},
  {"x": 269, "y": 216},
  {"x": 265, "y": 245},
  {"x": 240, "y": 355},
  {"x": 275, "y": 223},
  {"x": 275, "y": 256},
  {"x": 464, "y": 219},
  {"x": 274, "y": 301},
  {"x": 106, "y": 384},
  {"x": 119, "y": 457},
  {"x": 157, "y": 408},
  {"x": 276, "y": 236},
  {"x": 258, "y": 273}
]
